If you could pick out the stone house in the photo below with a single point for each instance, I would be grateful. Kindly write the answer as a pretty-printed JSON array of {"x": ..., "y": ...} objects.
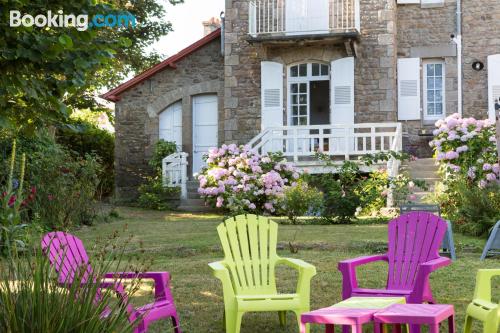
[{"x": 347, "y": 77}]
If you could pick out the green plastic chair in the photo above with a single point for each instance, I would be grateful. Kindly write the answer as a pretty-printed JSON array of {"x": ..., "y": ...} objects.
[
  {"x": 482, "y": 308},
  {"x": 247, "y": 271}
]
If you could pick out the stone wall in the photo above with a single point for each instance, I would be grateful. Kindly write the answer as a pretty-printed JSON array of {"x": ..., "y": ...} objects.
[
  {"x": 137, "y": 122},
  {"x": 375, "y": 77},
  {"x": 481, "y": 26},
  {"x": 425, "y": 33}
]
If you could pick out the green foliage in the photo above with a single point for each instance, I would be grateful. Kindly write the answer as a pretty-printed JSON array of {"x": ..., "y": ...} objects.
[
  {"x": 12, "y": 230},
  {"x": 64, "y": 185},
  {"x": 46, "y": 73},
  {"x": 474, "y": 211},
  {"x": 152, "y": 194},
  {"x": 85, "y": 138},
  {"x": 301, "y": 200},
  {"x": 162, "y": 149}
]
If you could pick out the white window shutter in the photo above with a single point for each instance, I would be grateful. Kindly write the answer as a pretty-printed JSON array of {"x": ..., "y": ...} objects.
[
  {"x": 272, "y": 94},
  {"x": 493, "y": 84},
  {"x": 342, "y": 91},
  {"x": 404, "y": 2},
  {"x": 409, "y": 89}
]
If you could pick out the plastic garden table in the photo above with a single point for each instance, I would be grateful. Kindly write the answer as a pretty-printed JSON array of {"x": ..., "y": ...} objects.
[
  {"x": 416, "y": 314},
  {"x": 353, "y": 312}
]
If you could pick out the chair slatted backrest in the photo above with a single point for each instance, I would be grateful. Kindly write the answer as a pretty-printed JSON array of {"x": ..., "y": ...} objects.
[
  {"x": 249, "y": 244},
  {"x": 67, "y": 255},
  {"x": 414, "y": 238}
]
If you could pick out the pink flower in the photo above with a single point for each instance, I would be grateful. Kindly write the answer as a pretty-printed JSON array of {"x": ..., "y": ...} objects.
[
  {"x": 412, "y": 197},
  {"x": 491, "y": 177},
  {"x": 220, "y": 201},
  {"x": 12, "y": 200},
  {"x": 496, "y": 168},
  {"x": 487, "y": 166},
  {"x": 451, "y": 155}
]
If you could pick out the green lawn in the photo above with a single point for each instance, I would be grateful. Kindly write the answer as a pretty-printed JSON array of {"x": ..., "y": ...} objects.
[{"x": 183, "y": 244}]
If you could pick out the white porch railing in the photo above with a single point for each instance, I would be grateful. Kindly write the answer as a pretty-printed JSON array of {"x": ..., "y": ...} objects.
[
  {"x": 296, "y": 142},
  {"x": 303, "y": 17},
  {"x": 394, "y": 164},
  {"x": 174, "y": 172}
]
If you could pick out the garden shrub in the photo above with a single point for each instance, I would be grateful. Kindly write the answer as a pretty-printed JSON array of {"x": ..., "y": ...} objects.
[
  {"x": 466, "y": 151},
  {"x": 239, "y": 180},
  {"x": 66, "y": 184},
  {"x": 477, "y": 210},
  {"x": 152, "y": 194},
  {"x": 85, "y": 138},
  {"x": 301, "y": 200}
]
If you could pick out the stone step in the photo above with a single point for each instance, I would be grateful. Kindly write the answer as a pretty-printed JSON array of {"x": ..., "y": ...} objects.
[
  {"x": 193, "y": 195},
  {"x": 424, "y": 174}
]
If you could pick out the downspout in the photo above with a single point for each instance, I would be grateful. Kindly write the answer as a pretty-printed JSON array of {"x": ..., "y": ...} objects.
[
  {"x": 222, "y": 29},
  {"x": 458, "y": 41}
]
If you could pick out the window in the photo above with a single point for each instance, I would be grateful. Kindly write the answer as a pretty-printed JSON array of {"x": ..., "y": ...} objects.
[
  {"x": 434, "y": 89},
  {"x": 303, "y": 92}
]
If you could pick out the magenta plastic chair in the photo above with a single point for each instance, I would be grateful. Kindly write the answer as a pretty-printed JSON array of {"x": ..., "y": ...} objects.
[
  {"x": 67, "y": 255},
  {"x": 413, "y": 254}
]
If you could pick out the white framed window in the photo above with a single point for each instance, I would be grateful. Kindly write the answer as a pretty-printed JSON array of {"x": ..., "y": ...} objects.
[
  {"x": 300, "y": 77},
  {"x": 434, "y": 89}
]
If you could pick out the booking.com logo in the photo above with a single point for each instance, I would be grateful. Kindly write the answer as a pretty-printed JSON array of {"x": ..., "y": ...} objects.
[{"x": 80, "y": 22}]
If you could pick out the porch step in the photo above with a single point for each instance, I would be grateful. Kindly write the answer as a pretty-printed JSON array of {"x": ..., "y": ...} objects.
[
  {"x": 194, "y": 206},
  {"x": 423, "y": 169}
]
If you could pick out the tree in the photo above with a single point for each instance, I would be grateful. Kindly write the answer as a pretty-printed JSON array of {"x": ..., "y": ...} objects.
[{"x": 46, "y": 72}]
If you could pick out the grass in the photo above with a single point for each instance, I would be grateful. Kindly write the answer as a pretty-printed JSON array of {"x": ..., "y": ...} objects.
[{"x": 183, "y": 244}]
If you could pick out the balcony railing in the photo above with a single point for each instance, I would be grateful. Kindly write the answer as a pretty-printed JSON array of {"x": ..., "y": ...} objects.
[{"x": 303, "y": 17}]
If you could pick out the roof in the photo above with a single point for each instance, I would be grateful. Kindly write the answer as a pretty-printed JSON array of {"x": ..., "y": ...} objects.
[{"x": 113, "y": 94}]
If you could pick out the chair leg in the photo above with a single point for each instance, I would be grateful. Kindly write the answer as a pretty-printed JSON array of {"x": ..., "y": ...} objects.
[
  {"x": 489, "y": 326},
  {"x": 434, "y": 328},
  {"x": 415, "y": 329},
  {"x": 282, "y": 317},
  {"x": 233, "y": 322},
  {"x": 329, "y": 328},
  {"x": 468, "y": 324},
  {"x": 451, "y": 324},
  {"x": 302, "y": 328},
  {"x": 176, "y": 323},
  {"x": 357, "y": 328}
]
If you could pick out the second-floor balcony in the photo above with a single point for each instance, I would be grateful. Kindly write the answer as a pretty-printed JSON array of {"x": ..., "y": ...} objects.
[{"x": 291, "y": 19}]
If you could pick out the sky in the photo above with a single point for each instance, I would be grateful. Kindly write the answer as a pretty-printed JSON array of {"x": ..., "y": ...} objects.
[{"x": 186, "y": 21}]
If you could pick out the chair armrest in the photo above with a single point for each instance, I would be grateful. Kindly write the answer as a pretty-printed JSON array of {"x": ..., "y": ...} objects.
[
  {"x": 348, "y": 270},
  {"x": 433, "y": 265},
  {"x": 306, "y": 273},
  {"x": 353, "y": 263},
  {"x": 161, "y": 280},
  {"x": 422, "y": 279},
  {"x": 297, "y": 264},
  {"x": 221, "y": 272}
]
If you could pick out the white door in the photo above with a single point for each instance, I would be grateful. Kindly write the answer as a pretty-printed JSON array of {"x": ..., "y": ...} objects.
[
  {"x": 171, "y": 124},
  {"x": 205, "y": 128},
  {"x": 307, "y": 16}
]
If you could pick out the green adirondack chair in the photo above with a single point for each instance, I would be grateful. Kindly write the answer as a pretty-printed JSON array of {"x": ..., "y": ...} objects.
[
  {"x": 482, "y": 307},
  {"x": 247, "y": 271}
]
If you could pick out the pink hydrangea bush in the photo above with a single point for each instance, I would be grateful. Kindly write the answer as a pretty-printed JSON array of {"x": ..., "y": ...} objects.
[
  {"x": 466, "y": 149},
  {"x": 238, "y": 180}
]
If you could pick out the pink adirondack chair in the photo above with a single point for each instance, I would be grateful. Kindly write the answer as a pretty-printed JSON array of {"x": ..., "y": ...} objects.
[
  {"x": 67, "y": 255},
  {"x": 413, "y": 254}
]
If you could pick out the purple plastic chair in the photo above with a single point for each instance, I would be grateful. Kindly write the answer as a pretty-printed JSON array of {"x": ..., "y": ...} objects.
[
  {"x": 413, "y": 254},
  {"x": 67, "y": 255}
]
